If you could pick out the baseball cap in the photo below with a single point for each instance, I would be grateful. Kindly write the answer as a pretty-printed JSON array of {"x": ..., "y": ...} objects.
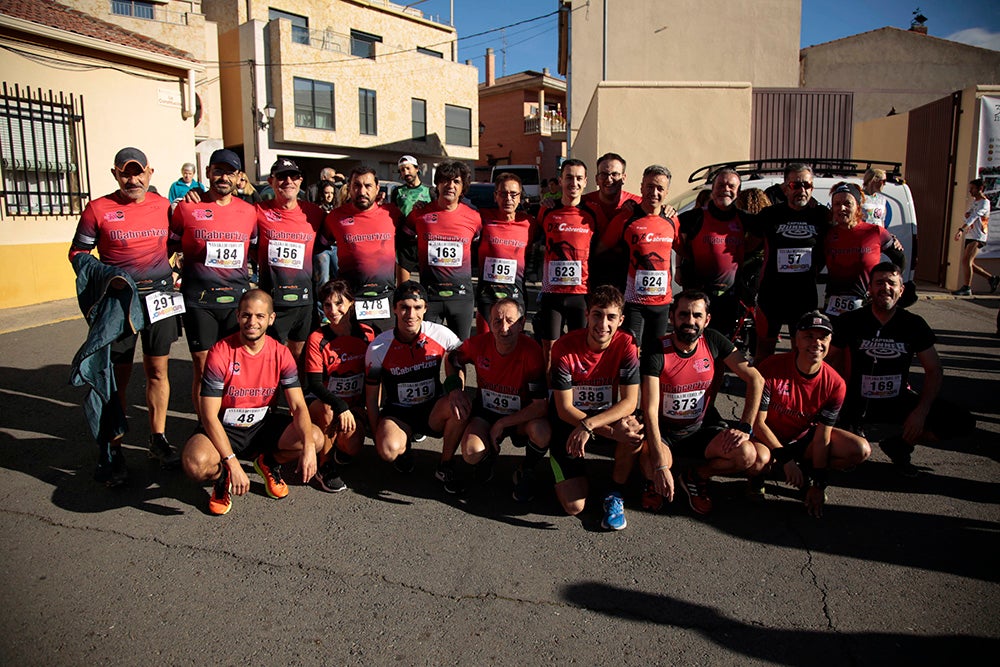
[
  {"x": 407, "y": 159},
  {"x": 129, "y": 154},
  {"x": 225, "y": 156},
  {"x": 411, "y": 289},
  {"x": 285, "y": 166},
  {"x": 815, "y": 320}
]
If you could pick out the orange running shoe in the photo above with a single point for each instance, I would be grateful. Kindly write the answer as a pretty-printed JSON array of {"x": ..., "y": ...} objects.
[
  {"x": 271, "y": 472},
  {"x": 221, "y": 500}
]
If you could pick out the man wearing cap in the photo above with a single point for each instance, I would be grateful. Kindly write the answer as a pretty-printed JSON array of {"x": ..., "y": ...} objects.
[
  {"x": 880, "y": 341},
  {"x": 403, "y": 391},
  {"x": 129, "y": 229},
  {"x": 405, "y": 197},
  {"x": 215, "y": 236},
  {"x": 803, "y": 396},
  {"x": 286, "y": 229}
]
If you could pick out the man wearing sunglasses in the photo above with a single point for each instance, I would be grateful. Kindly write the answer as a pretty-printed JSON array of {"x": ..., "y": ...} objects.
[{"x": 793, "y": 231}]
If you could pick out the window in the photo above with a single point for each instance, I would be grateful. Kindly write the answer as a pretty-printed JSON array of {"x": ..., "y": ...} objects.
[
  {"x": 300, "y": 24},
  {"x": 366, "y": 107},
  {"x": 313, "y": 104},
  {"x": 43, "y": 170},
  {"x": 418, "y": 112},
  {"x": 363, "y": 44},
  {"x": 136, "y": 8},
  {"x": 430, "y": 52},
  {"x": 457, "y": 125}
]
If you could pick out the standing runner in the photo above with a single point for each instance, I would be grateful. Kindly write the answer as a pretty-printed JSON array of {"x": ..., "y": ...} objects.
[
  {"x": 976, "y": 231},
  {"x": 405, "y": 197}
]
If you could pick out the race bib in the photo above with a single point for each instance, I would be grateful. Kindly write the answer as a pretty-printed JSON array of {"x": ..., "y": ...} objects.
[
  {"x": 415, "y": 393},
  {"x": 684, "y": 405},
  {"x": 224, "y": 254},
  {"x": 286, "y": 254},
  {"x": 496, "y": 270},
  {"x": 346, "y": 387},
  {"x": 243, "y": 417},
  {"x": 651, "y": 283},
  {"x": 565, "y": 273},
  {"x": 372, "y": 309},
  {"x": 505, "y": 404},
  {"x": 590, "y": 398},
  {"x": 161, "y": 305},
  {"x": 794, "y": 260},
  {"x": 444, "y": 253},
  {"x": 837, "y": 305},
  {"x": 881, "y": 386}
]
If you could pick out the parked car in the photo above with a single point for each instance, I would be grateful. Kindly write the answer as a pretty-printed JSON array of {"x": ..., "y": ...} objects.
[
  {"x": 768, "y": 175},
  {"x": 481, "y": 195},
  {"x": 530, "y": 180}
]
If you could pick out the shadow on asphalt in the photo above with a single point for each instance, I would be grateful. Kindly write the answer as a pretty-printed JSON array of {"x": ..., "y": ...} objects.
[{"x": 775, "y": 645}]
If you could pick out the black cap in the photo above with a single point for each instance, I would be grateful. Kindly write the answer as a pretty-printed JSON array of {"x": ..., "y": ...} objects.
[
  {"x": 225, "y": 156},
  {"x": 285, "y": 166},
  {"x": 411, "y": 289},
  {"x": 126, "y": 155},
  {"x": 815, "y": 320}
]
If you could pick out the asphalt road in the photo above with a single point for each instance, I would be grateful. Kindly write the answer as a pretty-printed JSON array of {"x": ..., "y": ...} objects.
[{"x": 393, "y": 571}]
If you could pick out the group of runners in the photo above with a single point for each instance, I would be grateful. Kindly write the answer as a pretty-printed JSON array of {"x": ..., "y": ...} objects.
[{"x": 618, "y": 364}]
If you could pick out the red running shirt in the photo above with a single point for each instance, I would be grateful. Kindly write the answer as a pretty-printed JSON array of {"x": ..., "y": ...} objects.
[
  {"x": 502, "y": 250},
  {"x": 794, "y": 402},
  {"x": 569, "y": 232},
  {"x": 649, "y": 240},
  {"x": 341, "y": 361},
  {"x": 851, "y": 253},
  {"x": 365, "y": 247},
  {"x": 444, "y": 249},
  {"x": 594, "y": 377},
  {"x": 506, "y": 383},
  {"x": 285, "y": 251}
]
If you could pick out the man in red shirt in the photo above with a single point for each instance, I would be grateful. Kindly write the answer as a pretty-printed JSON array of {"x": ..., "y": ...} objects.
[
  {"x": 215, "y": 236},
  {"x": 803, "y": 396},
  {"x": 610, "y": 194},
  {"x": 129, "y": 229},
  {"x": 595, "y": 391},
  {"x": 239, "y": 388},
  {"x": 287, "y": 230},
  {"x": 511, "y": 397}
]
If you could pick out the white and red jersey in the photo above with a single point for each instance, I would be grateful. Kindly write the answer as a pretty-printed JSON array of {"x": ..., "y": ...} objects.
[
  {"x": 444, "y": 249},
  {"x": 648, "y": 240},
  {"x": 131, "y": 236},
  {"x": 594, "y": 377},
  {"x": 794, "y": 401},
  {"x": 409, "y": 372},
  {"x": 502, "y": 250},
  {"x": 507, "y": 383},
  {"x": 366, "y": 249},
  {"x": 686, "y": 379},
  {"x": 216, "y": 242},
  {"x": 341, "y": 361},
  {"x": 569, "y": 232},
  {"x": 247, "y": 383},
  {"x": 285, "y": 250}
]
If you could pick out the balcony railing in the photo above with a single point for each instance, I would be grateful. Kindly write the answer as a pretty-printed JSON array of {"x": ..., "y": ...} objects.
[
  {"x": 546, "y": 126},
  {"x": 148, "y": 11}
]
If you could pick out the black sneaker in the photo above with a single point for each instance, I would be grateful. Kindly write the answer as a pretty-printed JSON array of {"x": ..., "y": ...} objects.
[
  {"x": 964, "y": 290},
  {"x": 994, "y": 284},
  {"x": 102, "y": 473},
  {"x": 524, "y": 485},
  {"x": 161, "y": 450},
  {"x": 419, "y": 437},
  {"x": 445, "y": 474},
  {"x": 341, "y": 458},
  {"x": 484, "y": 469},
  {"x": 404, "y": 463},
  {"x": 119, "y": 473},
  {"x": 327, "y": 478}
]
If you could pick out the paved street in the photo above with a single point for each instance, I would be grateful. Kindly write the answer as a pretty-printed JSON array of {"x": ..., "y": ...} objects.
[{"x": 394, "y": 571}]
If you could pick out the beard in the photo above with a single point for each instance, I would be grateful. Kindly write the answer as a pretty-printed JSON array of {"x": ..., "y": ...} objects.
[{"x": 688, "y": 334}]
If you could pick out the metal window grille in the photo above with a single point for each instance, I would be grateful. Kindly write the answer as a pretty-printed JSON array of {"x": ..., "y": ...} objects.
[
  {"x": 42, "y": 153},
  {"x": 136, "y": 8}
]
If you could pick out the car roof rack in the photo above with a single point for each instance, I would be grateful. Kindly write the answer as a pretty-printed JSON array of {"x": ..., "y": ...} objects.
[{"x": 823, "y": 167}]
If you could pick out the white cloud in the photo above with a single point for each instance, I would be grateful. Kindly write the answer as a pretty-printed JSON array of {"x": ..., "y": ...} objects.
[{"x": 977, "y": 37}]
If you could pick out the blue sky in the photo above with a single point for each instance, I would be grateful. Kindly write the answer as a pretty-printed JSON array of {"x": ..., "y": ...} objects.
[{"x": 533, "y": 45}]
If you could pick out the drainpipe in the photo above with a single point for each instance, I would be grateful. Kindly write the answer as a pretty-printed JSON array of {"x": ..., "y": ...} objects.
[{"x": 190, "y": 103}]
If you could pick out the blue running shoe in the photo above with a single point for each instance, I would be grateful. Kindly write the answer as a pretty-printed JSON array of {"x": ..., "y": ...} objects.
[{"x": 614, "y": 513}]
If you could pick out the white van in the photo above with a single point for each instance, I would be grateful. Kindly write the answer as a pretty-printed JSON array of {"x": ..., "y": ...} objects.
[
  {"x": 768, "y": 175},
  {"x": 530, "y": 179}
]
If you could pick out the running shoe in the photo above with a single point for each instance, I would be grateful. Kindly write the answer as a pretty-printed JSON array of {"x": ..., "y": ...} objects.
[
  {"x": 697, "y": 492},
  {"x": 404, "y": 463},
  {"x": 419, "y": 437},
  {"x": 327, "y": 478},
  {"x": 994, "y": 284},
  {"x": 341, "y": 458},
  {"x": 118, "y": 473},
  {"x": 755, "y": 489},
  {"x": 965, "y": 290},
  {"x": 524, "y": 485},
  {"x": 271, "y": 472},
  {"x": 484, "y": 469},
  {"x": 651, "y": 500},
  {"x": 445, "y": 474},
  {"x": 221, "y": 500},
  {"x": 614, "y": 512},
  {"x": 161, "y": 450}
]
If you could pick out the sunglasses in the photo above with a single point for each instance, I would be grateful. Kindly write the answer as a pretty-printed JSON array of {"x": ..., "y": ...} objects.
[{"x": 800, "y": 185}]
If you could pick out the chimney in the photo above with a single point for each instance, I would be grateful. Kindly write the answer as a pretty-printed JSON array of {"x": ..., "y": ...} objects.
[
  {"x": 491, "y": 68},
  {"x": 921, "y": 29},
  {"x": 545, "y": 71}
]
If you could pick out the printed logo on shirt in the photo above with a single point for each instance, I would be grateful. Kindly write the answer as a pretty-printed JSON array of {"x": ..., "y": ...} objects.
[
  {"x": 431, "y": 217},
  {"x": 235, "y": 368},
  {"x": 883, "y": 348},
  {"x": 347, "y": 221},
  {"x": 797, "y": 230},
  {"x": 782, "y": 388},
  {"x": 702, "y": 365},
  {"x": 203, "y": 214},
  {"x": 114, "y": 216},
  {"x": 483, "y": 362}
]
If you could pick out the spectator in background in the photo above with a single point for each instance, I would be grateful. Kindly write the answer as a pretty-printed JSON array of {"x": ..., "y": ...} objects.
[
  {"x": 186, "y": 182},
  {"x": 976, "y": 231},
  {"x": 554, "y": 192},
  {"x": 245, "y": 189},
  {"x": 315, "y": 191},
  {"x": 875, "y": 208}
]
